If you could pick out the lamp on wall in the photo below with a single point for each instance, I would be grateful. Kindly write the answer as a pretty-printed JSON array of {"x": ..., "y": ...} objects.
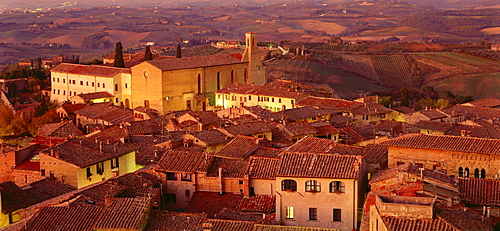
[{"x": 168, "y": 98}]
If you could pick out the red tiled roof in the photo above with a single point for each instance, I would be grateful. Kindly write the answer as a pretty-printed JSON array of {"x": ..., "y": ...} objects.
[
  {"x": 170, "y": 221},
  {"x": 404, "y": 110},
  {"x": 248, "y": 129},
  {"x": 258, "y": 203},
  {"x": 62, "y": 129},
  {"x": 262, "y": 167},
  {"x": 13, "y": 197},
  {"x": 46, "y": 189},
  {"x": 319, "y": 145},
  {"x": 212, "y": 203},
  {"x": 433, "y": 113},
  {"x": 230, "y": 167},
  {"x": 371, "y": 109},
  {"x": 433, "y": 125},
  {"x": 195, "y": 62},
  {"x": 300, "y": 128},
  {"x": 471, "y": 130},
  {"x": 112, "y": 114},
  {"x": 401, "y": 224},
  {"x": 71, "y": 108},
  {"x": 93, "y": 95},
  {"x": 64, "y": 218},
  {"x": 479, "y": 191},
  {"x": 184, "y": 161},
  {"x": 239, "y": 147},
  {"x": 488, "y": 102},
  {"x": 123, "y": 213},
  {"x": 324, "y": 130},
  {"x": 376, "y": 154},
  {"x": 222, "y": 225},
  {"x": 267, "y": 152},
  {"x": 205, "y": 117},
  {"x": 211, "y": 136},
  {"x": 448, "y": 143},
  {"x": 331, "y": 103},
  {"x": 93, "y": 70},
  {"x": 276, "y": 92},
  {"x": 319, "y": 165},
  {"x": 83, "y": 153},
  {"x": 473, "y": 112}
]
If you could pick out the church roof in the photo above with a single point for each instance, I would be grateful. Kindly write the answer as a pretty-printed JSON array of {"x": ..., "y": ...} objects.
[{"x": 196, "y": 62}]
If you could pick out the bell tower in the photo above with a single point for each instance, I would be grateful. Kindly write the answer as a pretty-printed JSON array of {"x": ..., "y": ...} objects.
[{"x": 256, "y": 70}]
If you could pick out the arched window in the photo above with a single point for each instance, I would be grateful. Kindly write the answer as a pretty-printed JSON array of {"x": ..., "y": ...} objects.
[
  {"x": 466, "y": 172},
  {"x": 483, "y": 173},
  {"x": 218, "y": 80},
  {"x": 146, "y": 103},
  {"x": 199, "y": 83},
  {"x": 127, "y": 103},
  {"x": 313, "y": 186},
  {"x": 460, "y": 172},
  {"x": 476, "y": 173},
  {"x": 232, "y": 77},
  {"x": 289, "y": 185},
  {"x": 337, "y": 186}
]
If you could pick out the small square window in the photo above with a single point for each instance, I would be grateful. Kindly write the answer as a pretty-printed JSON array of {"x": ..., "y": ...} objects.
[
  {"x": 171, "y": 176},
  {"x": 240, "y": 182}
]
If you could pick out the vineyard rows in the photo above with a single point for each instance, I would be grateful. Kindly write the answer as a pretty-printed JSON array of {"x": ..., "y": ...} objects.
[
  {"x": 393, "y": 71},
  {"x": 360, "y": 65},
  {"x": 347, "y": 47},
  {"x": 489, "y": 54}
]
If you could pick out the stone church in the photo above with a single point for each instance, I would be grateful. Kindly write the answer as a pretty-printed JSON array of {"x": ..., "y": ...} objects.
[{"x": 189, "y": 83}]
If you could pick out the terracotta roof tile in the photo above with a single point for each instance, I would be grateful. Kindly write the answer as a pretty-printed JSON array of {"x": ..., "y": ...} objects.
[
  {"x": 64, "y": 218},
  {"x": 93, "y": 95},
  {"x": 263, "y": 168},
  {"x": 123, "y": 213},
  {"x": 195, "y": 62},
  {"x": 472, "y": 112},
  {"x": 212, "y": 203},
  {"x": 371, "y": 109},
  {"x": 480, "y": 191},
  {"x": 433, "y": 113},
  {"x": 83, "y": 153},
  {"x": 331, "y": 103},
  {"x": 205, "y": 117},
  {"x": 470, "y": 130},
  {"x": 211, "y": 136},
  {"x": 71, "y": 108},
  {"x": 268, "y": 152},
  {"x": 401, "y": 224},
  {"x": 300, "y": 128},
  {"x": 488, "y": 102},
  {"x": 46, "y": 189},
  {"x": 376, "y": 154},
  {"x": 170, "y": 221},
  {"x": 239, "y": 147},
  {"x": 231, "y": 214},
  {"x": 404, "y": 110},
  {"x": 184, "y": 161},
  {"x": 319, "y": 165},
  {"x": 62, "y": 129},
  {"x": 351, "y": 135},
  {"x": 433, "y": 125},
  {"x": 319, "y": 145},
  {"x": 263, "y": 113},
  {"x": 93, "y": 70},
  {"x": 13, "y": 197},
  {"x": 222, "y": 225},
  {"x": 324, "y": 130},
  {"x": 230, "y": 167},
  {"x": 258, "y": 203},
  {"x": 248, "y": 129},
  {"x": 448, "y": 143},
  {"x": 112, "y": 114}
]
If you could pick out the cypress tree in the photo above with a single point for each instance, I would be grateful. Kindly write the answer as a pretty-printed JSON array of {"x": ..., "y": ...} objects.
[
  {"x": 178, "y": 55},
  {"x": 119, "y": 55},
  {"x": 147, "y": 54},
  {"x": 404, "y": 97}
]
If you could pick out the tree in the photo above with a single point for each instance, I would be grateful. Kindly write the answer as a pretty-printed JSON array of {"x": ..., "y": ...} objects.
[
  {"x": 47, "y": 118},
  {"x": 443, "y": 104},
  {"x": 404, "y": 97},
  {"x": 119, "y": 62},
  {"x": 178, "y": 54},
  {"x": 147, "y": 53}
]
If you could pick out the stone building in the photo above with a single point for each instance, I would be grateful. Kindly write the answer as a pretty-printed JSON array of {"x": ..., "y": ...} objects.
[{"x": 453, "y": 155}]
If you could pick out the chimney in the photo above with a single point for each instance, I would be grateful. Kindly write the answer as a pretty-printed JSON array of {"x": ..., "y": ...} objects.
[
  {"x": 221, "y": 188},
  {"x": 100, "y": 146},
  {"x": 462, "y": 132}
]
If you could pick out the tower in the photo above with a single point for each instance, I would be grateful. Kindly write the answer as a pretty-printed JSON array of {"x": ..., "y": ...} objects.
[{"x": 256, "y": 71}]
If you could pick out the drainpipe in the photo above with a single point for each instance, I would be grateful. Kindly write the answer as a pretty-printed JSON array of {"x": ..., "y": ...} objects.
[
  {"x": 221, "y": 189},
  {"x": 355, "y": 202}
]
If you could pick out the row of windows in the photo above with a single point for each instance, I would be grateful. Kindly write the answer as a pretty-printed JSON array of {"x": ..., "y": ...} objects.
[
  {"x": 313, "y": 214},
  {"x": 259, "y": 99},
  {"x": 184, "y": 176},
  {"x": 86, "y": 83},
  {"x": 71, "y": 93},
  {"x": 313, "y": 186},
  {"x": 466, "y": 173}
]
